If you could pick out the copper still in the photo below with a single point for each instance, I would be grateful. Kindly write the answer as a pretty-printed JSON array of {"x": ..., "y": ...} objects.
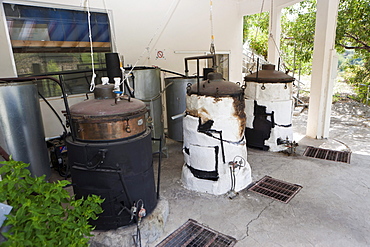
[
  {"x": 214, "y": 144},
  {"x": 269, "y": 109},
  {"x": 110, "y": 155}
]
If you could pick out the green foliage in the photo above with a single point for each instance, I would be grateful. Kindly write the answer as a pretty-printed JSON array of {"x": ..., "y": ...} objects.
[
  {"x": 255, "y": 31},
  {"x": 43, "y": 213},
  {"x": 353, "y": 26},
  {"x": 297, "y": 36},
  {"x": 52, "y": 66},
  {"x": 359, "y": 76}
]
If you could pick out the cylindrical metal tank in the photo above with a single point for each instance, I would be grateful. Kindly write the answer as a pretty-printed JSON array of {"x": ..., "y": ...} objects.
[
  {"x": 176, "y": 104},
  {"x": 146, "y": 82},
  {"x": 22, "y": 133},
  {"x": 269, "y": 109},
  {"x": 111, "y": 156},
  {"x": 214, "y": 144}
]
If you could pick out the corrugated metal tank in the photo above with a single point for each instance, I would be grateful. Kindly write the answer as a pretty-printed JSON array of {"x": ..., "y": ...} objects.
[
  {"x": 146, "y": 82},
  {"x": 21, "y": 129},
  {"x": 176, "y": 104},
  {"x": 214, "y": 144}
]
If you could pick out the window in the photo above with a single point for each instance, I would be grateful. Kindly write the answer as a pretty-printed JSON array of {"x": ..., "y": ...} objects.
[{"x": 53, "y": 40}]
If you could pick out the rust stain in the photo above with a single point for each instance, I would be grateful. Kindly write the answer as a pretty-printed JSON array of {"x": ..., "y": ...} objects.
[
  {"x": 201, "y": 112},
  {"x": 239, "y": 107}
]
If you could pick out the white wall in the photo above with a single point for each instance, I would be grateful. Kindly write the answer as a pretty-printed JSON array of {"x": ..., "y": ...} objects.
[
  {"x": 7, "y": 65},
  {"x": 180, "y": 25}
]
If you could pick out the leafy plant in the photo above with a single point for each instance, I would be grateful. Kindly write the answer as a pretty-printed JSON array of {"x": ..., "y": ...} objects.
[
  {"x": 44, "y": 214},
  {"x": 297, "y": 38}
]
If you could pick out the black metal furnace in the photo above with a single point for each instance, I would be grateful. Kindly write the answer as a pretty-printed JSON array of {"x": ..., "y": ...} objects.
[{"x": 110, "y": 155}]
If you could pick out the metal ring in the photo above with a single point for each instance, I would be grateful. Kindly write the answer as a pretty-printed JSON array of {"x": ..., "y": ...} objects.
[
  {"x": 285, "y": 87},
  {"x": 263, "y": 87}
]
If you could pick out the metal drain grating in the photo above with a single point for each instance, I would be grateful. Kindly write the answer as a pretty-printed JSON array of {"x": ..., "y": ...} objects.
[
  {"x": 276, "y": 189},
  {"x": 327, "y": 154},
  {"x": 193, "y": 234}
]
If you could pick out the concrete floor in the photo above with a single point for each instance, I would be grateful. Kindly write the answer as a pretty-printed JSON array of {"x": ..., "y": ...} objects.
[{"x": 332, "y": 209}]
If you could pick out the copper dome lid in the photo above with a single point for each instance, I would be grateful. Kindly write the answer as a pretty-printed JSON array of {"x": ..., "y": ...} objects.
[
  {"x": 215, "y": 86},
  {"x": 268, "y": 74}
]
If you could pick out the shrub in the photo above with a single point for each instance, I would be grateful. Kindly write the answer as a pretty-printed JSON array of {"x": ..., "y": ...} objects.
[{"x": 44, "y": 214}]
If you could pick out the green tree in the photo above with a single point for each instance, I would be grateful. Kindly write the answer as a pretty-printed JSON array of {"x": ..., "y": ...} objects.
[
  {"x": 256, "y": 32},
  {"x": 298, "y": 27}
]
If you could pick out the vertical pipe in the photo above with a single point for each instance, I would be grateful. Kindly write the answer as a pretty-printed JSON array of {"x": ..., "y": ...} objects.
[
  {"x": 159, "y": 166},
  {"x": 69, "y": 118},
  {"x": 197, "y": 75},
  {"x": 186, "y": 68}
]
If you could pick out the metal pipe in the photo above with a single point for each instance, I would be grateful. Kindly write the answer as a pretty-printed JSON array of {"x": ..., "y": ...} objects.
[
  {"x": 62, "y": 73},
  {"x": 159, "y": 166},
  {"x": 159, "y": 163},
  {"x": 174, "y": 117},
  {"x": 35, "y": 78},
  {"x": 172, "y": 72},
  {"x": 197, "y": 58},
  {"x": 54, "y": 111},
  {"x": 69, "y": 117},
  {"x": 198, "y": 76}
]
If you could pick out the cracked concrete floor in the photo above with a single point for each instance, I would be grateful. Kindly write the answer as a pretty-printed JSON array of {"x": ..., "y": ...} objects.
[{"x": 332, "y": 209}]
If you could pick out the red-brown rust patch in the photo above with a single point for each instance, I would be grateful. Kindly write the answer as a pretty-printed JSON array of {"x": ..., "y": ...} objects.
[
  {"x": 202, "y": 113},
  {"x": 239, "y": 107}
]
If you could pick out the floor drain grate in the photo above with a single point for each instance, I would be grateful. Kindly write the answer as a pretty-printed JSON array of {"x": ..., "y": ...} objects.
[
  {"x": 276, "y": 189},
  {"x": 327, "y": 154},
  {"x": 193, "y": 234}
]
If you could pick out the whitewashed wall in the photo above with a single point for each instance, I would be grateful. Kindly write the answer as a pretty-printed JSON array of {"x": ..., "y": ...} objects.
[{"x": 182, "y": 28}]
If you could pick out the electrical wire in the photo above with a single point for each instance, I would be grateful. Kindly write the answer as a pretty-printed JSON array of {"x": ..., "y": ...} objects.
[
  {"x": 212, "y": 48},
  {"x": 161, "y": 27},
  {"x": 112, "y": 29},
  {"x": 92, "y": 84},
  {"x": 54, "y": 111}
]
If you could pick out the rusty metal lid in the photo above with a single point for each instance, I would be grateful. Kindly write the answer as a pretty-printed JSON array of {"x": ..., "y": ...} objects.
[
  {"x": 104, "y": 91},
  {"x": 268, "y": 74},
  {"x": 108, "y": 107},
  {"x": 215, "y": 86}
]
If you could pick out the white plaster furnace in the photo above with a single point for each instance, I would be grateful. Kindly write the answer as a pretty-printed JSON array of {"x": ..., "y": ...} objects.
[
  {"x": 269, "y": 109},
  {"x": 214, "y": 143}
]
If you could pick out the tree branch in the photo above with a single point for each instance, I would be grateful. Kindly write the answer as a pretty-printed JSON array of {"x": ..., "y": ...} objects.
[
  {"x": 355, "y": 47},
  {"x": 364, "y": 44}
]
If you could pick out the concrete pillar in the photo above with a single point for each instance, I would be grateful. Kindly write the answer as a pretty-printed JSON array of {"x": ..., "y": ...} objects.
[
  {"x": 274, "y": 34},
  {"x": 322, "y": 80},
  {"x": 7, "y": 63}
]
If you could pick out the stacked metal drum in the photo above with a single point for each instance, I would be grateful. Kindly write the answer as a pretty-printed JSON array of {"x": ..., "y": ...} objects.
[
  {"x": 269, "y": 109},
  {"x": 214, "y": 144},
  {"x": 21, "y": 128},
  {"x": 146, "y": 85},
  {"x": 110, "y": 155},
  {"x": 176, "y": 104}
]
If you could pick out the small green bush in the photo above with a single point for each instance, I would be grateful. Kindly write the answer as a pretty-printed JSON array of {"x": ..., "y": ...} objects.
[{"x": 44, "y": 214}]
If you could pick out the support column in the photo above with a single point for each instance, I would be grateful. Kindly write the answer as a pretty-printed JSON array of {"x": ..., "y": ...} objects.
[
  {"x": 274, "y": 34},
  {"x": 321, "y": 92}
]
